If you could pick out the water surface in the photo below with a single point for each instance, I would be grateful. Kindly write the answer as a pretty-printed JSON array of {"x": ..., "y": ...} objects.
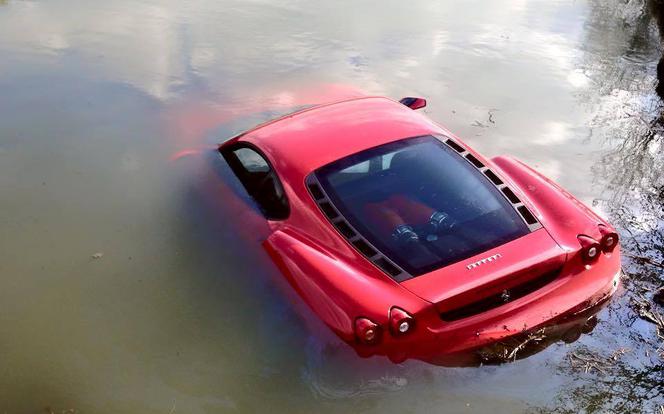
[{"x": 174, "y": 313}]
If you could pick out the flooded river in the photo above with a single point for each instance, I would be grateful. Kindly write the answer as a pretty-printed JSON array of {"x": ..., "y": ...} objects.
[{"x": 120, "y": 292}]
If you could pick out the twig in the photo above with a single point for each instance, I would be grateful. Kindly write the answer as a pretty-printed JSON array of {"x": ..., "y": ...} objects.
[
  {"x": 534, "y": 337},
  {"x": 644, "y": 259},
  {"x": 491, "y": 111}
]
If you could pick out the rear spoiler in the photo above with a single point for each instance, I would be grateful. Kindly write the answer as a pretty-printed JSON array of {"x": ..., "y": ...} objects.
[{"x": 413, "y": 102}]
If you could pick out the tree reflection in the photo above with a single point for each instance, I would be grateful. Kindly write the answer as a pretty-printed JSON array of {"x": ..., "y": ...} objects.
[
  {"x": 624, "y": 389},
  {"x": 629, "y": 66}
]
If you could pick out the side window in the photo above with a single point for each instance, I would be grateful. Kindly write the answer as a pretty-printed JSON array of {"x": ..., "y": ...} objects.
[
  {"x": 260, "y": 181},
  {"x": 251, "y": 161}
]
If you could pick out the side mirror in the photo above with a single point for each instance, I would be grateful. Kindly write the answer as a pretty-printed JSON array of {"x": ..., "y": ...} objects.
[{"x": 414, "y": 103}]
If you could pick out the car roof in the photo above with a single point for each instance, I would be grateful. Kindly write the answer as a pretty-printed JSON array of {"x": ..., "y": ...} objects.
[{"x": 304, "y": 141}]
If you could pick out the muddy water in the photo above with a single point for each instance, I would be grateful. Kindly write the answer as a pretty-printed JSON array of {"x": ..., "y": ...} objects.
[{"x": 125, "y": 289}]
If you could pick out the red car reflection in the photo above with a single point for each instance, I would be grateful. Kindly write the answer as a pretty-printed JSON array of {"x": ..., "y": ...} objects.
[{"x": 409, "y": 244}]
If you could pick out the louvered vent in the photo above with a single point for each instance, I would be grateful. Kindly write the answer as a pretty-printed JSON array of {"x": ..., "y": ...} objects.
[
  {"x": 344, "y": 228},
  {"x": 477, "y": 163},
  {"x": 456, "y": 147},
  {"x": 523, "y": 211}
]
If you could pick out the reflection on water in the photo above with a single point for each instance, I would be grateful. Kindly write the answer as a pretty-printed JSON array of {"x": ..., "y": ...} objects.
[
  {"x": 182, "y": 313},
  {"x": 629, "y": 121}
]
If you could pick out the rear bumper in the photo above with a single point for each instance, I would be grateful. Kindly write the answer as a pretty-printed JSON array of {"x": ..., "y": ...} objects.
[{"x": 570, "y": 300}]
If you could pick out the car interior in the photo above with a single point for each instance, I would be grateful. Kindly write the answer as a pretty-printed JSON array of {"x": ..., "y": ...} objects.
[
  {"x": 386, "y": 187},
  {"x": 260, "y": 181}
]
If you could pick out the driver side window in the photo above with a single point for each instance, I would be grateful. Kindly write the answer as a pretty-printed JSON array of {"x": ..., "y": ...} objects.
[
  {"x": 260, "y": 181},
  {"x": 251, "y": 161}
]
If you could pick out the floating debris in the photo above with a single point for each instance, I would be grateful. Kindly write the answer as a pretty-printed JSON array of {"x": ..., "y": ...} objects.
[
  {"x": 619, "y": 353},
  {"x": 534, "y": 337},
  {"x": 491, "y": 111},
  {"x": 97, "y": 255},
  {"x": 590, "y": 362},
  {"x": 510, "y": 349},
  {"x": 646, "y": 260}
]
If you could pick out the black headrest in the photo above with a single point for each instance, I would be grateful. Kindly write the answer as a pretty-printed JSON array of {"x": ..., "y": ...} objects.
[{"x": 403, "y": 160}]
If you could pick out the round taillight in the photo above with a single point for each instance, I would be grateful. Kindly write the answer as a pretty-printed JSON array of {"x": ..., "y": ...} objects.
[
  {"x": 590, "y": 248},
  {"x": 592, "y": 252},
  {"x": 404, "y": 326},
  {"x": 366, "y": 331},
  {"x": 609, "y": 238},
  {"x": 400, "y": 321}
]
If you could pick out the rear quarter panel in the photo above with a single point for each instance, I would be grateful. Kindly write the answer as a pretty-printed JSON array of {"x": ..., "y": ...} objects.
[
  {"x": 336, "y": 291},
  {"x": 563, "y": 216}
]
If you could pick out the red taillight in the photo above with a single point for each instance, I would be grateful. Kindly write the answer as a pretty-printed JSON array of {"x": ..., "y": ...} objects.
[
  {"x": 590, "y": 248},
  {"x": 367, "y": 331},
  {"x": 400, "y": 321},
  {"x": 609, "y": 239}
]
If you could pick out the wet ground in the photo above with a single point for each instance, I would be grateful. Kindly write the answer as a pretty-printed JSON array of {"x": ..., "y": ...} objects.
[{"x": 122, "y": 292}]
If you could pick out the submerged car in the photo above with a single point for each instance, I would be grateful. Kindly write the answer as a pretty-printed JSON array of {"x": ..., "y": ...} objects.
[{"x": 406, "y": 242}]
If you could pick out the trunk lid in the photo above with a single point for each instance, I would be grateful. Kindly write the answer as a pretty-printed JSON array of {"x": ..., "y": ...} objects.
[{"x": 500, "y": 275}]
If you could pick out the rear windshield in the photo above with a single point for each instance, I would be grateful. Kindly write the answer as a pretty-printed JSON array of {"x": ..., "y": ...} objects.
[{"x": 420, "y": 203}]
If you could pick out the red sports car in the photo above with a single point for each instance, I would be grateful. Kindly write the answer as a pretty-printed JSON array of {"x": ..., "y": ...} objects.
[{"x": 408, "y": 243}]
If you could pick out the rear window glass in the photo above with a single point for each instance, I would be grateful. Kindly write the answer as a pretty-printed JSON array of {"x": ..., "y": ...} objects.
[{"x": 420, "y": 203}]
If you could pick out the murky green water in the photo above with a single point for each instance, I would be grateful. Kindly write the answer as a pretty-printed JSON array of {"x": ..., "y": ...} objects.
[{"x": 176, "y": 315}]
